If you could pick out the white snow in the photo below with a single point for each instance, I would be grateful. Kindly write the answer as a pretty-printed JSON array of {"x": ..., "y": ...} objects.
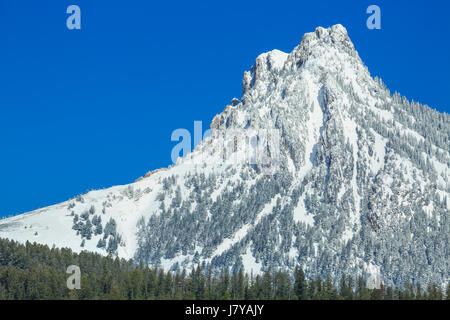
[
  {"x": 250, "y": 264},
  {"x": 278, "y": 92}
]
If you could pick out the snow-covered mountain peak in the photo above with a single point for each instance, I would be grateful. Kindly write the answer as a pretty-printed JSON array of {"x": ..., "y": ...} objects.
[
  {"x": 361, "y": 184},
  {"x": 325, "y": 56},
  {"x": 272, "y": 60},
  {"x": 331, "y": 44},
  {"x": 265, "y": 64},
  {"x": 335, "y": 36}
]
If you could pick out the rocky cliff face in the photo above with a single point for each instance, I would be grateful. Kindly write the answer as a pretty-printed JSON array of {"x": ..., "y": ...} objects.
[{"x": 317, "y": 164}]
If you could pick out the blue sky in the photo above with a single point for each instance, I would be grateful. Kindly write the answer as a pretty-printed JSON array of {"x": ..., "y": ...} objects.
[{"x": 91, "y": 108}]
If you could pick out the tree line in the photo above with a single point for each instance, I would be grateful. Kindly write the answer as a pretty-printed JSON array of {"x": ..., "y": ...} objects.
[{"x": 34, "y": 271}]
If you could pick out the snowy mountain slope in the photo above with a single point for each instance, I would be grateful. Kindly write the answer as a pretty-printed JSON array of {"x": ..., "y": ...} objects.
[{"x": 354, "y": 180}]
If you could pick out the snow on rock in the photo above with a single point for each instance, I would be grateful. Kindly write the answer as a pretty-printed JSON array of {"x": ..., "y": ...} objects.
[{"x": 360, "y": 181}]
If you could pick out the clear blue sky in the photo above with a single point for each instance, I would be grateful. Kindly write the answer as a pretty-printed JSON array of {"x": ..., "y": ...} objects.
[{"x": 96, "y": 107}]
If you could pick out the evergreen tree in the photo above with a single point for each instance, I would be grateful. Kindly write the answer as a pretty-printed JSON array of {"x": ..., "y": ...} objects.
[
  {"x": 330, "y": 292},
  {"x": 447, "y": 293},
  {"x": 300, "y": 284},
  {"x": 267, "y": 286},
  {"x": 34, "y": 271}
]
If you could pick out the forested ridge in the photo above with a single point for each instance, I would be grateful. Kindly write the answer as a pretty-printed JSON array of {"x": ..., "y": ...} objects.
[{"x": 35, "y": 271}]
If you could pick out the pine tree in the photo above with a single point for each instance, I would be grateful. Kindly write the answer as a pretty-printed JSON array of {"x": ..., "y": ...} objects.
[
  {"x": 267, "y": 286},
  {"x": 396, "y": 293},
  {"x": 209, "y": 283},
  {"x": 225, "y": 285},
  {"x": 447, "y": 293},
  {"x": 300, "y": 284},
  {"x": 346, "y": 288},
  {"x": 282, "y": 287},
  {"x": 432, "y": 291},
  {"x": 318, "y": 293},
  {"x": 419, "y": 292},
  {"x": 362, "y": 292},
  {"x": 330, "y": 292},
  {"x": 198, "y": 283},
  {"x": 389, "y": 294},
  {"x": 33, "y": 271},
  {"x": 240, "y": 285}
]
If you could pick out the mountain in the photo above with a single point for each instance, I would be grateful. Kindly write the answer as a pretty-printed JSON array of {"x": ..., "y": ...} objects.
[{"x": 318, "y": 164}]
